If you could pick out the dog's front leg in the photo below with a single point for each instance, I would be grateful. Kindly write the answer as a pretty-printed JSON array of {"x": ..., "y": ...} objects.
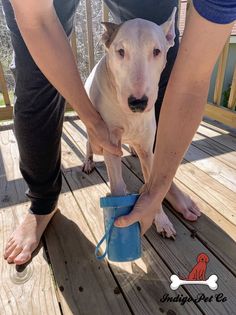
[
  {"x": 162, "y": 222},
  {"x": 145, "y": 156},
  {"x": 113, "y": 164}
]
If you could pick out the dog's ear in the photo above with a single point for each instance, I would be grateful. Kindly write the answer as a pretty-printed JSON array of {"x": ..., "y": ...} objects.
[
  {"x": 169, "y": 28},
  {"x": 111, "y": 30}
]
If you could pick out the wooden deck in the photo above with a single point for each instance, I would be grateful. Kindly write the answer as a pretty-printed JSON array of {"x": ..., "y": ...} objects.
[{"x": 65, "y": 278}]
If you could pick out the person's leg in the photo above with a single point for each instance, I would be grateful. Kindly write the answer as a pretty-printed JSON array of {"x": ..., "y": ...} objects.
[
  {"x": 157, "y": 11},
  {"x": 38, "y": 119}
]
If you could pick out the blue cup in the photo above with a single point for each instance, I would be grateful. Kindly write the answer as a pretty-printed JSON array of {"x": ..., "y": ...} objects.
[{"x": 122, "y": 244}]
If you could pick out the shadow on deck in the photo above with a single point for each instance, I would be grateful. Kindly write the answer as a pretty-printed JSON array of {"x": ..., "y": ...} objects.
[{"x": 64, "y": 276}]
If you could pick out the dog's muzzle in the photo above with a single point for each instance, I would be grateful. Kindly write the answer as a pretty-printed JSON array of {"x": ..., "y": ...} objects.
[{"x": 137, "y": 104}]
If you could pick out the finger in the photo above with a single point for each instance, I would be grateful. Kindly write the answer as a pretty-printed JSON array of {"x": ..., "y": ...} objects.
[{"x": 127, "y": 220}]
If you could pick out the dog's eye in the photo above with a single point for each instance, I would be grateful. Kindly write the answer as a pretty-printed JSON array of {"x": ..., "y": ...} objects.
[
  {"x": 156, "y": 52},
  {"x": 121, "y": 52}
]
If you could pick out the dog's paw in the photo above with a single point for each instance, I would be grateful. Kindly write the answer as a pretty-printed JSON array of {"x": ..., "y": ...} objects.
[
  {"x": 164, "y": 226},
  {"x": 88, "y": 166}
]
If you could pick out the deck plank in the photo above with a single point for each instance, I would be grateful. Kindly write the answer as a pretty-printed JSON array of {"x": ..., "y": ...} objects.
[
  {"x": 221, "y": 198},
  {"x": 216, "y": 169},
  {"x": 85, "y": 286},
  {"x": 217, "y": 225},
  {"x": 182, "y": 256},
  {"x": 79, "y": 226},
  {"x": 186, "y": 251},
  {"x": 213, "y": 236},
  {"x": 218, "y": 135},
  {"x": 218, "y": 150},
  {"x": 197, "y": 247},
  {"x": 143, "y": 282},
  {"x": 218, "y": 126},
  {"x": 28, "y": 290},
  {"x": 211, "y": 191}
]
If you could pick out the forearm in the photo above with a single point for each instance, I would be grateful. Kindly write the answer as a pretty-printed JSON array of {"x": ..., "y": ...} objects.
[
  {"x": 51, "y": 51},
  {"x": 185, "y": 98}
]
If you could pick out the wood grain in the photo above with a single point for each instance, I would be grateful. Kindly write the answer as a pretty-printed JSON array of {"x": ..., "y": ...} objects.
[
  {"x": 3, "y": 87},
  {"x": 221, "y": 73},
  {"x": 216, "y": 149},
  {"x": 217, "y": 135},
  {"x": 85, "y": 285},
  {"x": 232, "y": 96},
  {"x": 27, "y": 290},
  {"x": 143, "y": 282},
  {"x": 221, "y": 114},
  {"x": 91, "y": 60},
  {"x": 134, "y": 183},
  {"x": 216, "y": 169}
]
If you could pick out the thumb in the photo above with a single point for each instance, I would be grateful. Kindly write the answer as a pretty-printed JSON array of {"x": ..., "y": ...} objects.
[{"x": 126, "y": 220}]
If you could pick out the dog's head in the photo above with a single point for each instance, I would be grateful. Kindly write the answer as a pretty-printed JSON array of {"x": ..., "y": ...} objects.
[
  {"x": 137, "y": 52},
  {"x": 202, "y": 258}
]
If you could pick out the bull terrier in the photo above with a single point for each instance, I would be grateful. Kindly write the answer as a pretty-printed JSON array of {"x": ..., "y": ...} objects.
[{"x": 123, "y": 87}]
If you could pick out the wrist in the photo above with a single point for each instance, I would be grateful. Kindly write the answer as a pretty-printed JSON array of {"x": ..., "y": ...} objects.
[
  {"x": 92, "y": 120},
  {"x": 156, "y": 192},
  {"x": 88, "y": 114}
]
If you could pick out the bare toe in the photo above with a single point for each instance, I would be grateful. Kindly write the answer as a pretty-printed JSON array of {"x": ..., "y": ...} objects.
[
  {"x": 9, "y": 244},
  {"x": 182, "y": 203},
  {"x": 16, "y": 251},
  {"x": 26, "y": 238},
  {"x": 9, "y": 250},
  {"x": 195, "y": 209},
  {"x": 23, "y": 257},
  {"x": 188, "y": 214}
]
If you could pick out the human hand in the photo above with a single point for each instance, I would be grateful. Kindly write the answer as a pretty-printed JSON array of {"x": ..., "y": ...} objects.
[
  {"x": 100, "y": 140},
  {"x": 144, "y": 212}
]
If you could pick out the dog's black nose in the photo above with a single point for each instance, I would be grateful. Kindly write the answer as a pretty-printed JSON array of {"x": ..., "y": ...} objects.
[{"x": 137, "y": 104}]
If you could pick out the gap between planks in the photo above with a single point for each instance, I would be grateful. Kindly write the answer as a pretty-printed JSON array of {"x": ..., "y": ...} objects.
[
  {"x": 88, "y": 190},
  {"x": 79, "y": 142},
  {"x": 212, "y": 236},
  {"x": 29, "y": 289}
]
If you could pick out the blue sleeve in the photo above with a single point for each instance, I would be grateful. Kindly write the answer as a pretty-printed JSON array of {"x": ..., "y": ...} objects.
[{"x": 217, "y": 11}]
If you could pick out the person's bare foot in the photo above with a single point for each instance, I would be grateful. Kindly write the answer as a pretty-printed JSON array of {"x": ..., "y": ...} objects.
[
  {"x": 182, "y": 203},
  {"x": 25, "y": 239}
]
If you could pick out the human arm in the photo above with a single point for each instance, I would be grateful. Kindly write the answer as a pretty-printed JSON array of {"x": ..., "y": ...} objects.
[
  {"x": 48, "y": 44},
  {"x": 181, "y": 111}
]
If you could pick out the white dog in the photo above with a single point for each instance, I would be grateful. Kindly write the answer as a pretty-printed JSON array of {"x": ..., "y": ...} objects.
[{"x": 124, "y": 87}]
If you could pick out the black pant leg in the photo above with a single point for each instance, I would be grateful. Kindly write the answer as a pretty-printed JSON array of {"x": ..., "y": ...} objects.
[{"x": 38, "y": 117}]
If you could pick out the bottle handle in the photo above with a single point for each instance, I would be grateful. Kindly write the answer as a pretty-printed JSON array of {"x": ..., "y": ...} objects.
[{"x": 106, "y": 235}]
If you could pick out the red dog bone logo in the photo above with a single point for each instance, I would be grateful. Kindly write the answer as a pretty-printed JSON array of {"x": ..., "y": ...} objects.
[
  {"x": 196, "y": 276},
  {"x": 199, "y": 270}
]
